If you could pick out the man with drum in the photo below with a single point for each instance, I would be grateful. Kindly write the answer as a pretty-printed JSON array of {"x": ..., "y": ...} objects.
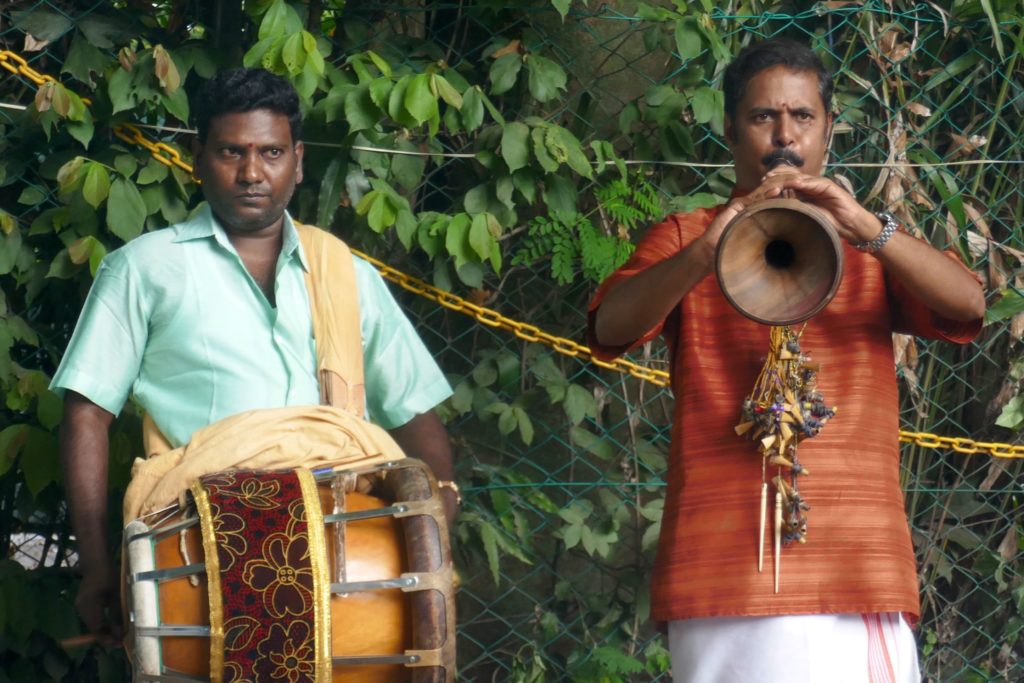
[
  {"x": 847, "y": 596},
  {"x": 211, "y": 318}
]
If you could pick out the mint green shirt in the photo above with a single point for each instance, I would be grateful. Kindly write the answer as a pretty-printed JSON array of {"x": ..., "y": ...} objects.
[{"x": 174, "y": 318}]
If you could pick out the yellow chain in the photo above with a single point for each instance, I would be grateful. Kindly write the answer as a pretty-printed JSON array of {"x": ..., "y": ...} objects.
[
  {"x": 17, "y": 65},
  {"x": 160, "y": 151},
  {"x": 524, "y": 331},
  {"x": 169, "y": 156}
]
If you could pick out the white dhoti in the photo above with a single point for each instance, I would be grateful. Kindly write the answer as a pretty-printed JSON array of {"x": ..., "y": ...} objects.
[{"x": 817, "y": 648}]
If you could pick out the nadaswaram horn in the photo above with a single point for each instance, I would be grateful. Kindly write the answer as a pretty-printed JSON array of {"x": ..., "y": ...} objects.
[{"x": 779, "y": 261}]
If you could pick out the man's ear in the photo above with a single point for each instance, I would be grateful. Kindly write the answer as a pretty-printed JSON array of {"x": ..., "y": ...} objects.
[
  {"x": 728, "y": 131},
  {"x": 299, "y": 149}
]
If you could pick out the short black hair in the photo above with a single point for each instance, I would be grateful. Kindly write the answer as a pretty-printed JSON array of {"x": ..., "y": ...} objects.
[
  {"x": 757, "y": 57},
  {"x": 243, "y": 90}
]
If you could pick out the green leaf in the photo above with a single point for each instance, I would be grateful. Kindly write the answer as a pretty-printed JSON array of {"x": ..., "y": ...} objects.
[
  {"x": 1012, "y": 414},
  {"x": 42, "y": 24},
  {"x": 49, "y": 409},
  {"x": 560, "y": 195},
  {"x": 676, "y": 143},
  {"x": 489, "y": 536},
  {"x": 381, "y": 63},
  {"x": 514, "y": 145},
  {"x": 564, "y": 146},
  {"x": 480, "y": 237},
  {"x": 96, "y": 185},
  {"x": 126, "y": 211},
  {"x": 126, "y": 164},
  {"x": 360, "y": 110},
  {"x": 12, "y": 439},
  {"x": 420, "y": 102},
  {"x": 592, "y": 443},
  {"x": 331, "y": 186},
  {"x": 83, "y": 60},
  {"x": 953, "y": 69},
  {"x": 43, "y": 467},
  {"x": 405, "y": 227},
  {"x": 274, "y": 21},
  {"x": 106, "y": 32},
  {"x": 380, "y": 90},
  {"x": 176, "y": 104},
  {"x": 83, "y": 129},
  {"x": 314, "y": 60},
  {"x": 504, "y": 72},
  {"x": 461, "y": 400},
  {"x": 7, "y": 225},
  {"x": 579, "y": 403},
  {"x": 562, "y": 7},
  {"x": 443, "y": 88},
  {"x": 525, "y": 425},
  {"x": 540, "y": 150},
  {"x": 408, "y": 169},
  {"x": 456, "y": 239},
  {"x": 525, "y": 181},
  {"x": 472, "y": 109},
  {"x": 688, "y": 43},
  {"x": 1010, "y": 304},
  {"x": 31, "y": 196},
  {"x": 292, "y": 54},
  {"x": 546, "y": 78},
  {"x": 703, "y": 103}
]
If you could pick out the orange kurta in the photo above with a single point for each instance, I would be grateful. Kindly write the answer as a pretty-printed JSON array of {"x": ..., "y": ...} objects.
[{"x": 858, "y": 557}]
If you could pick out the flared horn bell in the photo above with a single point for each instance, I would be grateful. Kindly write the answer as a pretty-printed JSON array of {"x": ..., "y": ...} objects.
[{"x": 779, "y": 262}]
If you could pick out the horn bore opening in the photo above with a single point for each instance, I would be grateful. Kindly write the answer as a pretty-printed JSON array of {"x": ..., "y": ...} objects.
[{"x": 779, "y": 254}]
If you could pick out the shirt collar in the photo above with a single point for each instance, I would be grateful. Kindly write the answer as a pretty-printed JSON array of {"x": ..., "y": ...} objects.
[{"x": 203, "y": 224}]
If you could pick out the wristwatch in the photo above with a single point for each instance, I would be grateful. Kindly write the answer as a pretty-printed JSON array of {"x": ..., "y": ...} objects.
[{"x": 889, "y": 227}]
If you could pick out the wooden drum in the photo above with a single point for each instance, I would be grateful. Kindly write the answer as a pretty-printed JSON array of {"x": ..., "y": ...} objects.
[{"x": 392, "y": 608}]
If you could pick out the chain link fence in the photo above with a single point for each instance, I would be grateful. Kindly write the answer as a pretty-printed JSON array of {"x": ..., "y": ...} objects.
[{"x": 560, "y": 461}]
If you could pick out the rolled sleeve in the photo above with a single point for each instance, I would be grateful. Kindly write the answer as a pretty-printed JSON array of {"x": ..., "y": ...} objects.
[{"x": 662, "y": 241}]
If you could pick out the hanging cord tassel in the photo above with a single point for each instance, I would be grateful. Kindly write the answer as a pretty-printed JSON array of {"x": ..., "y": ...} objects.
[
  {"x": 760, "y": 530},
  {"x": 778, "y": 536}
]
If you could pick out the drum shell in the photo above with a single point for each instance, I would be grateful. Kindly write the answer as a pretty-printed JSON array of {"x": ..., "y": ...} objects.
[{"x": 378, "y": 622}]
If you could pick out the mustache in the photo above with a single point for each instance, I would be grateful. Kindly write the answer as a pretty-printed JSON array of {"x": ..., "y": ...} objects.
[{"x": 782, "y": 155}]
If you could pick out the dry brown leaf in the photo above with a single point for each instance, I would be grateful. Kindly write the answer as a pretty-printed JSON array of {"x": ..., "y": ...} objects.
[
  {"x": 964, "y": 145},
  {"x": 995, "y": 470},
  {"x": 1008, "y": 547},
  {"x": 514, "y": 47},
  {"x": 479, "y": 297},
  {"x": 33, "y": 45},
  {"x": 1017, "y": 326},
  {"x": 919, "y": 109},
  {"x": 976, "y": 244},
  {"x": 904, "y": 350},
  {"x": 126, "y": 56},
  {"x": 892, "y": 47}
]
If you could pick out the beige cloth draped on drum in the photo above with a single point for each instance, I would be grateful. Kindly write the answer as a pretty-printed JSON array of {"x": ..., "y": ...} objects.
[{"x": 311, "y": 436}]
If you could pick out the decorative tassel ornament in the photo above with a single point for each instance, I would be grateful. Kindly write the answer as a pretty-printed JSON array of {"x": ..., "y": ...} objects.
[{"x": 784, "y": 408}]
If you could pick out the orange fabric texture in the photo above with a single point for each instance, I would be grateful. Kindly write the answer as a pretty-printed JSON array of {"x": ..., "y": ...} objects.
[{"x": 858, "y": 556}]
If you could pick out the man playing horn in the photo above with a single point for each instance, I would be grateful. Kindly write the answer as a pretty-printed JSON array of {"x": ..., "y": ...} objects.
[
  {"x": 209, "y": 321},
  {"x": 847, "y": 596}
]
